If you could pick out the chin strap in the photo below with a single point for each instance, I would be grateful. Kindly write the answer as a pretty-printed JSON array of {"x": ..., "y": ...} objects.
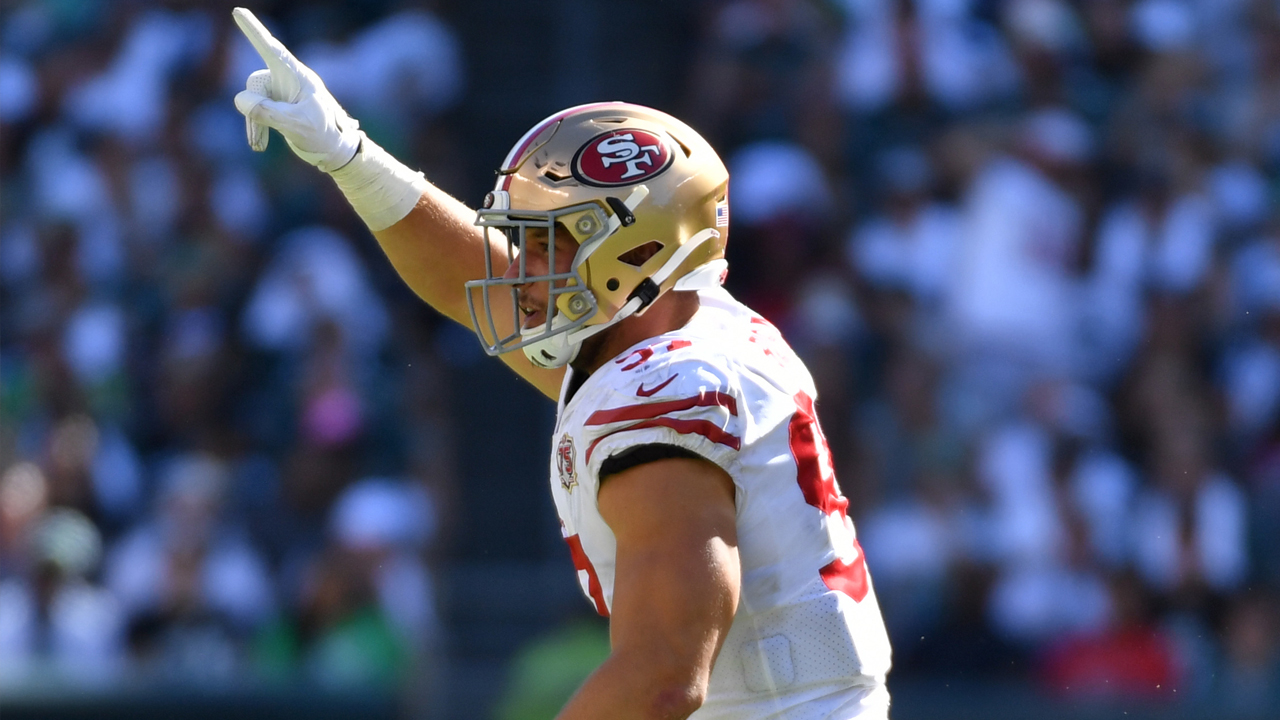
[
  {"x": 675, "y": 261},
  {"x": 705, "y": 277},
  {"x": 554, "y": 350}
]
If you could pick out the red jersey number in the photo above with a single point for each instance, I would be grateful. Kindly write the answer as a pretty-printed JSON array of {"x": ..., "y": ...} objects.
[
  {"x": 817, "y": 478},
  {"x": 583, "y": 565},
  {"x": 815, "y": 472}
]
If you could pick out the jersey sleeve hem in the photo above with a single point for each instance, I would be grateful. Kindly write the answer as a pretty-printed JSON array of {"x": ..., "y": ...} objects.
[{"x": 723, "y": 455}]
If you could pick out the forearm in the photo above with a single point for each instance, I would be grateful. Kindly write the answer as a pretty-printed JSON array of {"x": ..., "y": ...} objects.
[
  {"x": 437, "y": 248},
  {"x": 430, "y": 238},
  {"x": 630, "y": 688}
]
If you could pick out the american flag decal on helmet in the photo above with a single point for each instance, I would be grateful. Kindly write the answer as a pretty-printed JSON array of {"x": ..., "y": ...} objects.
[{"x": 722, "y": 213}]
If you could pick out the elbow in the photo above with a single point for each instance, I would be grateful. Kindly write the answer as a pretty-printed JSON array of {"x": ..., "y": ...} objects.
[{"x": 676, "y": 700}]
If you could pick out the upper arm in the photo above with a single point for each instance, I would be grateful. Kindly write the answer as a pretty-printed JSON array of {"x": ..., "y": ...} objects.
[
  {"x": 677, "y": 573},
  {"x": 436, "y": 249}
]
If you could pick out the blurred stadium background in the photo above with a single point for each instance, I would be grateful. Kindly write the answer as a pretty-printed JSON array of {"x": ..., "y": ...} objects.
[{"x": 1029, "y": 248}]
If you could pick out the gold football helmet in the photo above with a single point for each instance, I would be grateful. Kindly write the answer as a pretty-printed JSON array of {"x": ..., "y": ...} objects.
[{"x": 617, "y": 177}]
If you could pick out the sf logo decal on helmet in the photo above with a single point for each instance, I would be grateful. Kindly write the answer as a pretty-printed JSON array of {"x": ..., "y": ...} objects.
[{"x": 621, "y": 157}]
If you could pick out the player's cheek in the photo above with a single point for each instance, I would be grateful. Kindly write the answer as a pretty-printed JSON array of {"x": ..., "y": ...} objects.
[{"x": 564, "y": 260}]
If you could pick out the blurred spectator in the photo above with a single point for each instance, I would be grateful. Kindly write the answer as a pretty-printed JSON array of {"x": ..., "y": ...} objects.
[
  {"x": 1130, "y": 657},
  {"x": 387, "y": 525},
  {"x": 20, "y": 88},
  {"x": 899, "y": 50},
  {"x": 315, "y": 277},
  {"x": 760, "y": 73},
  {"x": 55, "y": 624},
  {"x": 1251, "y": 365},
  {"x": 1013, "y": 280},
  {"x": 189, "y": 581},
  {"x": 336, "y": 636},
  {"x": 1048, "y": 584},
  {"x": 1191, "y": 526},
  {"x": 1157, "y": 242},
  {"x": 782, "y": 203},
  {"x": 130, "y": 96},
  {"x": 409, "y": 55},
  {"x": 366, "y": 607},
  {"x": 1250, "y": 671},
  {"x": 910, "y": 243},
  {"x": 1102, "y": 488},
  {"x": 24, "y": 497},
  {"x": 92, "y": 469}
]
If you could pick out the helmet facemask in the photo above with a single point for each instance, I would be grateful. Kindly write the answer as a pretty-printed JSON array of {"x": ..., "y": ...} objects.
[{"x": 570, "y": 303}]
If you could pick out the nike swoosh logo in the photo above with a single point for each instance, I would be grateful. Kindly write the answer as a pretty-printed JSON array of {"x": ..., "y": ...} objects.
[{"x": 640, "y": 391}]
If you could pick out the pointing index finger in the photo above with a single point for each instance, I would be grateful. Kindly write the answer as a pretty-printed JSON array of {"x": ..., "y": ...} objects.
[{"x": 281, "y": 62}]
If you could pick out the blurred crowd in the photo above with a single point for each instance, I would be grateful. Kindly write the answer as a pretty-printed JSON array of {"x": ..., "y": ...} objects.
[
  {"x": 1030, "y": 250},
  {"x": 218, "y": 464},
  {"x": 1039, "y": 285}
]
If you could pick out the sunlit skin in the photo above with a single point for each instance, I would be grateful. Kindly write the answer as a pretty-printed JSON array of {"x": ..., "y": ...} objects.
[{"x": 669, "y": 312}]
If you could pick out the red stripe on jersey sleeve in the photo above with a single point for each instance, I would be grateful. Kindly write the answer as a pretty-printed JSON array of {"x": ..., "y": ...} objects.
[
  {"x": 705, "y": 428},
  {"x": 644, "y": 411}
]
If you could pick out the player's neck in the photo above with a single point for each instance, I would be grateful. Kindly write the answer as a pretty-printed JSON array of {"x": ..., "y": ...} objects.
[{"x": 670, "y": 312}]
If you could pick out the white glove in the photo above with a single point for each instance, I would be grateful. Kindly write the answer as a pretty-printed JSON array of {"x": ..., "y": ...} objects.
[{"x": 291, "y": 98}]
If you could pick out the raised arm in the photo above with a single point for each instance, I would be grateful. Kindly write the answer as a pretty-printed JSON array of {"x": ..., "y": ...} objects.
[{"x": 430, "y": 238}]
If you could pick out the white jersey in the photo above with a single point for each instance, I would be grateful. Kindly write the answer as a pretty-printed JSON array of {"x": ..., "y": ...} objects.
[{"x": 808, "y": 640}]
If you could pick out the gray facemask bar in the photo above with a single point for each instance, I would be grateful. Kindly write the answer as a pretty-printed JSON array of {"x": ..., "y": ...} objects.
[{"x": 514, "y": 228}]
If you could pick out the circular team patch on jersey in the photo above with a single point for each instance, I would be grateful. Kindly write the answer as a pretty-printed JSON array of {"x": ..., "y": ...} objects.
[
  {"x": 566, "y": 463},
  {"x": 621, "y": 157}
]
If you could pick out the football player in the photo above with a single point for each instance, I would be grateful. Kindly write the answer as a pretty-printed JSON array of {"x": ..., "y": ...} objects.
[{"x": 693, "y": 482}]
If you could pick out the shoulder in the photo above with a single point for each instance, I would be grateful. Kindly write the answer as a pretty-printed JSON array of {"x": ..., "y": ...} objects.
[
  {"x": 671, "y": 364},
  {"x": 670, "y": 378},
  {"x": 676, "y": 390},
  {"x": 728, "y": 347}
]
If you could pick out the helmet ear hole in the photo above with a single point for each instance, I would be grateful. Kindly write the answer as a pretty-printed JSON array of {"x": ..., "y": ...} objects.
[
  {"x": 637, "y": 256},
  {"x": 613, "y": 284}
]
